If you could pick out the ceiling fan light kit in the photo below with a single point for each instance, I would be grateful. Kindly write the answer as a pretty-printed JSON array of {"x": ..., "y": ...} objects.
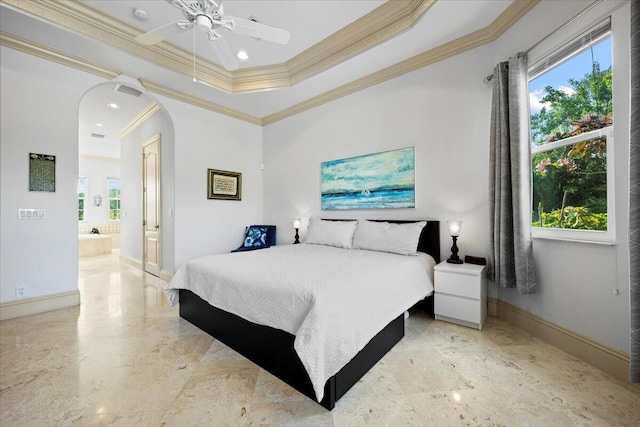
[
  {"x": 208, "y": 17},
  {"x": 204, "y": 23}
]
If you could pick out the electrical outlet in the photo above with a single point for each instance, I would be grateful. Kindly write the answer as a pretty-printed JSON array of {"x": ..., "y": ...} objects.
[{"x": 21, "y": 291}]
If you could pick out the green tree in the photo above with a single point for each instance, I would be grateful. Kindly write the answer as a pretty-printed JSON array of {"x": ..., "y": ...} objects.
[{"x": 589, "y": 97}]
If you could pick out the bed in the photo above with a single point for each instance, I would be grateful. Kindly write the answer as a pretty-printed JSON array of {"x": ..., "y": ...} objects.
[{"x": 273, "y": 347}]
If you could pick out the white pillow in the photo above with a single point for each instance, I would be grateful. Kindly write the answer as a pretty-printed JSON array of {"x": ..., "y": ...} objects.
[
  {"x": 331, "y": 233},
  {"x": 387, "y": 237}
]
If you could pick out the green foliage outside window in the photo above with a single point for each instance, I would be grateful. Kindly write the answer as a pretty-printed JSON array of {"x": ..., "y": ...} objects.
[
  {"x": 114, "y": 209},
  {"x": 113, "y": 191},
  {"x": 589, "y": 107},
  {"x": 570, "y": 182},
  {"x": 82, "y": 184},
  {"x": 81, "y": 207}
]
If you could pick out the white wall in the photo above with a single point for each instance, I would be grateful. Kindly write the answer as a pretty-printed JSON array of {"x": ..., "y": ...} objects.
[
  {"x": 444, "y": 110},
  {"x": 97, "y": 170},
  {"x": 43, "y": 255},
  {"x": 576, "y": 280},
  {"x": 39, "y": 104},
  {"x": 207, "y": 140}
]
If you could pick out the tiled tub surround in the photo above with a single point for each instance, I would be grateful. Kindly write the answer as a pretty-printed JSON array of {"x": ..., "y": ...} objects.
[
  {"x": 92, "y": 246},
  {"x": 124, "y": 358}
]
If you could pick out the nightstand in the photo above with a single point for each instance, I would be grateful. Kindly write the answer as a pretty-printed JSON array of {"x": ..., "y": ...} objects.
[{"x": 461, "y": 294}]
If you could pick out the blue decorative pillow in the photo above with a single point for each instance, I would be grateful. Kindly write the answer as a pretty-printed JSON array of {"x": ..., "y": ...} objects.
[
  {"x": 258, "y": 237},
  {"x": 255, "y": 237}
]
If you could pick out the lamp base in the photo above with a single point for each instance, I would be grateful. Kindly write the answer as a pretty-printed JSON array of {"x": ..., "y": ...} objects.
[
  {"x": 454, "y": 258},
  {"x": 297, "y": 237}
]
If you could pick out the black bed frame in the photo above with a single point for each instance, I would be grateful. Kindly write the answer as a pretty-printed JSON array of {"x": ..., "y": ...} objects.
[{"x": 272, "y": 349}]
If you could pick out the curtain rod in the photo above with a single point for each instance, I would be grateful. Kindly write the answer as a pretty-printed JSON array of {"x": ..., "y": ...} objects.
[{"x": 560, "y": 28}]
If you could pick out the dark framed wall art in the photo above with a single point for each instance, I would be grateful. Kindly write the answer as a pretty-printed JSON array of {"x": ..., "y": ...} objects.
[
  {"x": 224, "y": 185},
  {"x": 42, "y": 172}
]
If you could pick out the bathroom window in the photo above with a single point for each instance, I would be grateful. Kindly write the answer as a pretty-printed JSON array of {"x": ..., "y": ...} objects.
[
  {"x": 82, "y": 196},
  {"x": 113, "y": 189}
]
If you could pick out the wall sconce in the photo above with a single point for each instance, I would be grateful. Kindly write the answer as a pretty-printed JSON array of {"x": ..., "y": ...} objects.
[
  {"x": 296, "y": 225},
  {"x": 454, "y": 231}
]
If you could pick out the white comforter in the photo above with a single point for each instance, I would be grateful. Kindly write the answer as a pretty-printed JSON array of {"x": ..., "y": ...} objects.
[{"x": 333, "y": 300}]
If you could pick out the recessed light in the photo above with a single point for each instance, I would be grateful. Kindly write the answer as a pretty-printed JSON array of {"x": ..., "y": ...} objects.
[
  {"x": 113, "y": 105},
  {"x": 242, "y": 55},
  {"x": 99, "y": 125}
]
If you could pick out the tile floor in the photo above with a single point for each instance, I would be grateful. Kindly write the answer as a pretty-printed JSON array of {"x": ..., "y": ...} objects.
[{"x": 124, "y": 358}]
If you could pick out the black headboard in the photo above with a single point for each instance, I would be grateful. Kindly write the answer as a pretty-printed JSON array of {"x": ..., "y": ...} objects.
[{"x": 429, "y": 242}]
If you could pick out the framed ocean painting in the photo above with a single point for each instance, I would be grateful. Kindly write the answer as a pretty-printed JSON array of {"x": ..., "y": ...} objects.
[{"x": 374, "y": 181}]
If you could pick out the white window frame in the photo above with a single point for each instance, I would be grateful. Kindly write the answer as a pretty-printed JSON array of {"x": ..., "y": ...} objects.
[
  {"x": 86, "y": 188},
  {"x": 109, "y": 198},
  {"x": 543, "y": 58},
  {"x": 593, "y": 236}
]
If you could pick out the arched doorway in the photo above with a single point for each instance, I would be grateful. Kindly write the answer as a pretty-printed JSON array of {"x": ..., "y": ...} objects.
[{"x": 115, "y": 119}]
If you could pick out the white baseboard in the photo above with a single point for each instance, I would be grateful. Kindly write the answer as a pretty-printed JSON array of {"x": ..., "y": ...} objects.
[
  {"x": 603, "y": 357},
  {"x": 35, "y": 305},
  {"x": 165, "y": 275},
  {"x": 130, "y": 261}
]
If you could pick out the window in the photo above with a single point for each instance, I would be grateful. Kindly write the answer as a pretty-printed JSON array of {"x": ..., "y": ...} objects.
[
  {"x": 113, "y": 189},
  {"x": 82, "y": 195},
  {"x": 571, "y": 139}
]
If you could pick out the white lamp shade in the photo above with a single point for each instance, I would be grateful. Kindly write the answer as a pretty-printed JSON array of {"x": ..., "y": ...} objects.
[
  {"x": 296, "y": 222},
  {"x": 454, "y": 228}
]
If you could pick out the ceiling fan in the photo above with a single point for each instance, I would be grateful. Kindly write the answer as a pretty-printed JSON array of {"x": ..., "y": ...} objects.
[{"x": 208, "y": 17}]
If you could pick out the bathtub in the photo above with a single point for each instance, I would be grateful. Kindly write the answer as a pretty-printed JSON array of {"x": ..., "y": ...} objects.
[{"x": 93, "y": 244}]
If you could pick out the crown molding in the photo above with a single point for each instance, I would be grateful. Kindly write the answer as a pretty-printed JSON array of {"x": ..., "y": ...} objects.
[
  {"x": 27, "y": 46},
  {"x": 47, "y": 53},
  {"x": 462, "y": 44},
  {"x": 198, "y": 102},
  {"x": 372, "y": 29},
  {"x": 378, "y": 25},
  {"x": 139, "y": 119},
  {"x": 470, "y": 41},
  {"x": 83, "y": 18}
]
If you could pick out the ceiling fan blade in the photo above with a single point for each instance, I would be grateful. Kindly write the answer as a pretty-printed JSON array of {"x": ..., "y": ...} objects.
[
  {"x": 222, "y": 49},
  {"x": 209, "y": 6},
  {"x": 182, "y": 5},
  {"x": 155, "y": 36},
  {"x": 257, "y": 30}
]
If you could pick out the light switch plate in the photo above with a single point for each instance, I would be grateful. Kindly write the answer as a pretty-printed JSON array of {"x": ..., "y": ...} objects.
[{"x": 32, "y": 214}]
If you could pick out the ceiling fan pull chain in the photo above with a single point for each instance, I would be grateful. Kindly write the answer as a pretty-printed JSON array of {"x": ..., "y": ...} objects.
[{"x": 194, "y": 56}]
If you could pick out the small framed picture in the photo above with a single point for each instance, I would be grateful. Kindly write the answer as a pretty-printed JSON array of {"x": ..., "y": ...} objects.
[
  {"x": 42, "y": 172},
  {"x": 224, "y": 185}
]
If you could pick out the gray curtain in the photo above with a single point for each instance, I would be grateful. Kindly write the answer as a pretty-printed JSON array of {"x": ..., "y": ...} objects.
[
  {"x": 634, "y": 194},
  {"x": 511, "y": 258}
]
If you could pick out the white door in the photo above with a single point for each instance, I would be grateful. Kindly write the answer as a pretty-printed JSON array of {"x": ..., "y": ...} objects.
[{"x": 151, "y": 205}]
